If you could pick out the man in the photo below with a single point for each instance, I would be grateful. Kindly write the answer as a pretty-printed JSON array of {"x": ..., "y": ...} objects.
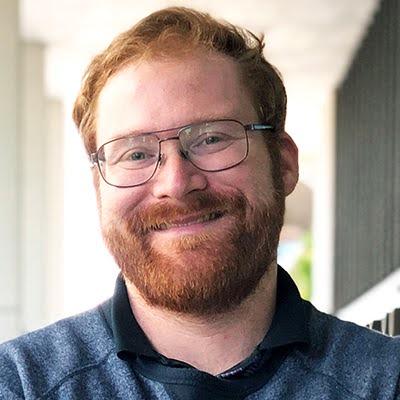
[{"x": 183, "y": 120}]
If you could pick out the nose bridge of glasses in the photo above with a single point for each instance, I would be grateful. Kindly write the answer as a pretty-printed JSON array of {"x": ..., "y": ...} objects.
[
  {"x": 168, "y": 139},
  {"x": 181, "y": 151}
]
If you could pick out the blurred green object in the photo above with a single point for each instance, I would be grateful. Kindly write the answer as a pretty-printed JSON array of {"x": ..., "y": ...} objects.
[{"x": 301, "y": 272}]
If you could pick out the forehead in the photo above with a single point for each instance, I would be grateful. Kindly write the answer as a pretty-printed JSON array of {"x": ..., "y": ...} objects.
[{"x": 162, "y": 94}]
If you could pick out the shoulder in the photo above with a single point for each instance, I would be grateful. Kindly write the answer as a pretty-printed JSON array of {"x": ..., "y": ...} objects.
[
  {"x": 356, "y": 358},
  {"x": 37, "y": 361},
  {"x": 333, "y": 334}
]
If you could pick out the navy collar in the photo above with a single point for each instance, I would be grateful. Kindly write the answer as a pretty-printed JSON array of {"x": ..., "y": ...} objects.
[{"x": 289, "y": 325}]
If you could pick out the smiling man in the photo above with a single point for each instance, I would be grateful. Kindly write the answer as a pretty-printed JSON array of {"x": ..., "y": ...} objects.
[{"x": 183, "y": 120}]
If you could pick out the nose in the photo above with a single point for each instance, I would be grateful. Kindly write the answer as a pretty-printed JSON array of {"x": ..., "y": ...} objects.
[{"x": 176, "y": 175}]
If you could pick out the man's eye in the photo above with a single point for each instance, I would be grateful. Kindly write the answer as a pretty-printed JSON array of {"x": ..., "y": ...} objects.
[
  {"x": 137, "y": 159},
  {"x": 211, "y": 143},
  {"x": 137, "y": 156},
  {"x": 212, "y": 139}
]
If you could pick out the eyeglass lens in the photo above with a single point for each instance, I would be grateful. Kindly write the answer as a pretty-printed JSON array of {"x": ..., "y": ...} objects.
[{"x": 210, "y": 146}]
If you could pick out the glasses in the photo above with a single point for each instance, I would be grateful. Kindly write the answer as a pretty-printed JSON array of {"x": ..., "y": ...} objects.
[{"x": 210, "y": 146}]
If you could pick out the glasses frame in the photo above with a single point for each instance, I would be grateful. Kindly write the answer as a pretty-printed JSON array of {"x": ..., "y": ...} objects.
[{"x": 94, "y": 157}]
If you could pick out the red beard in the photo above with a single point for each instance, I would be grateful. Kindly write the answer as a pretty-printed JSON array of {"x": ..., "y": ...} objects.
[{"x": 199, "y": 275}]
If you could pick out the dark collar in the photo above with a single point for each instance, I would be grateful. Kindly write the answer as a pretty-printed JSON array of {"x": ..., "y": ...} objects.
[
  {"x": 290, "y": 322},
  {"x": 289, "y": 325}
]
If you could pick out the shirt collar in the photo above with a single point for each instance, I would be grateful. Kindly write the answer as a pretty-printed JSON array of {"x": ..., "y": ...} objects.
[
  {"x": 289, "y": 325},
  {"x": 129, "y": 337},
  {"x": 290, "y": 322}
]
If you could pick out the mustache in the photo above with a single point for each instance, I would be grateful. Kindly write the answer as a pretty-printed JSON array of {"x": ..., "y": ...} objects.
[{"x": 196, "y": 205}]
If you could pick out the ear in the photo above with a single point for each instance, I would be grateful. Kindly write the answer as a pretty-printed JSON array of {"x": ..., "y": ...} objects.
[{"x": 289, "y": 163}]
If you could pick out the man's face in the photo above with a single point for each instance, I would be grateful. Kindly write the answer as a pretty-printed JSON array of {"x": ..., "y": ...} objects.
[{"x": 188, "y": 240}]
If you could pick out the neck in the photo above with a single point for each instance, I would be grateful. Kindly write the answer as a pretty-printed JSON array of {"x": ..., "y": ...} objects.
[{"x": 211, "y": 344}]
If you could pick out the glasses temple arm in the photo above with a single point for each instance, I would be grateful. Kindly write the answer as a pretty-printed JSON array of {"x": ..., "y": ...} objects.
[{"x": 259, "y": 127}]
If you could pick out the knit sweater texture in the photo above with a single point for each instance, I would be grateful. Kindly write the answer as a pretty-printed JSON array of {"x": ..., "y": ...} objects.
[{"x": 76, "y": 359}]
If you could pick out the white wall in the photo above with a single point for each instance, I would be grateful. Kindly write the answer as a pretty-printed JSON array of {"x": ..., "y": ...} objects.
[
  {"x": 9, "y": 172},
  {"x": 32, "y": 186}
]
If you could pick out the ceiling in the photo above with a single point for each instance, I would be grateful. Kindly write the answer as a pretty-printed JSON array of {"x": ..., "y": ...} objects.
[{"x": 310, "y": 41}]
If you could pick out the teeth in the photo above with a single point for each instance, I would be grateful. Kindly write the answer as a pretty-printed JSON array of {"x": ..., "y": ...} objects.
[{"x": 164, "y": 226}]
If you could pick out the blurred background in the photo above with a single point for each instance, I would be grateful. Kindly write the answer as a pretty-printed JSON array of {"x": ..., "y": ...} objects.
[{"x": 340, "y": 61}]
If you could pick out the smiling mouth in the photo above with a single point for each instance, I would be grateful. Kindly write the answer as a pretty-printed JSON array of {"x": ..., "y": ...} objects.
[{"x": 188, "y": 221}]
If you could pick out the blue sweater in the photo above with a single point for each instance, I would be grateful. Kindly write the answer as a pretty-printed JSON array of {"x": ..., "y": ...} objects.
[{"x": 76, "y": 359}]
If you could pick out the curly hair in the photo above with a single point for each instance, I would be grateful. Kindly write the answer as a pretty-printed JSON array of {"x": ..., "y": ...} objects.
[{"x": 169, "y": 33}]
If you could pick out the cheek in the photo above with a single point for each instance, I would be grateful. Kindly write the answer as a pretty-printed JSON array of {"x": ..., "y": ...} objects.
[
  {"x": 252, "y": 179},
  {"x": 260, "y": 187},
  {"x": 117, "y": 202},
  {"x": 260, "y": 171}
]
